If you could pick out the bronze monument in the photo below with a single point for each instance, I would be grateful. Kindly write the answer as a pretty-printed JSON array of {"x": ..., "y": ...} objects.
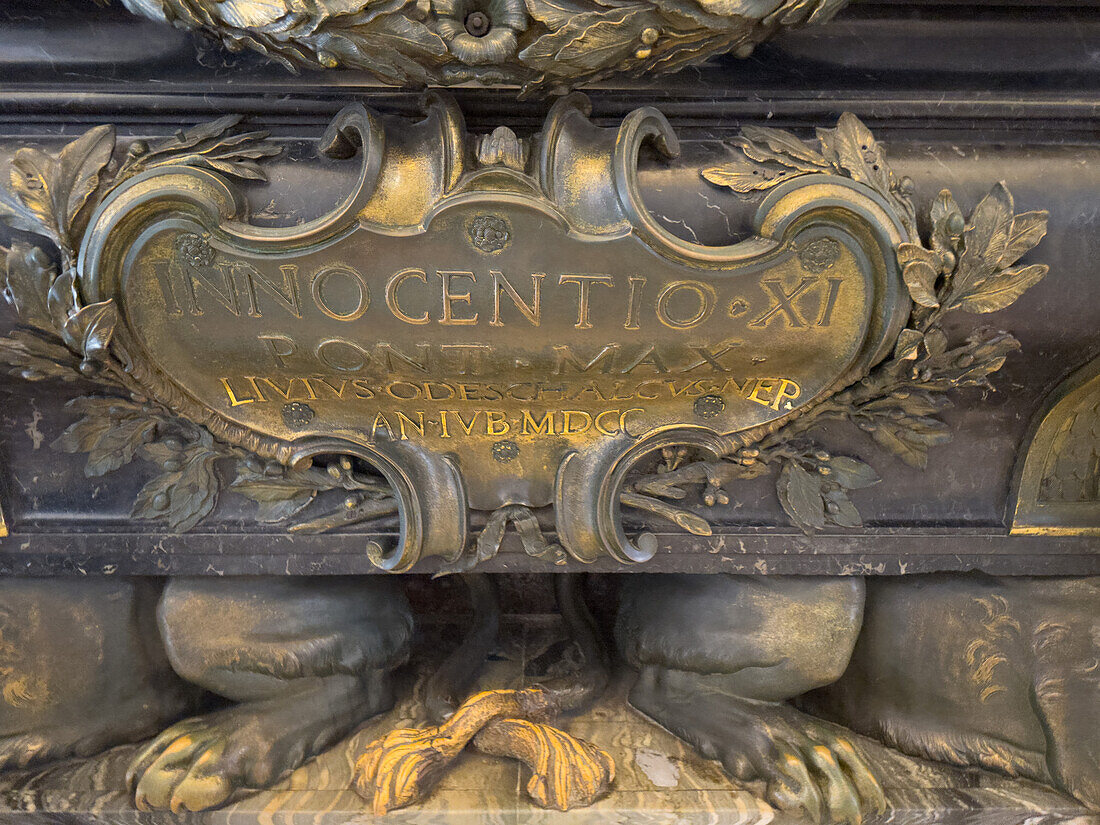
[{"x": 469, "y": 351}]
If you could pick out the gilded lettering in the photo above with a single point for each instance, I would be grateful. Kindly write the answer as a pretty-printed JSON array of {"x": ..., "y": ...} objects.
[
  {"x": 493, "y": 393},
  {"x": 467, "y": 428},
  {"x": 350, "y": 276},
  {"x": 622, "y": 421},
  {"x": 648, "y": 356},
  {"x": 281, "y": 346},
  {"x": 703, "y": 294},
  {"x": 605, "y": 356},
  {"x": 430, "y": 388},
  {"x": 570, "y": 417},
  {"x": 600, "y": 426},
  {"x": 448, "y": 317},
  {"x": 496, "y": 423},
  {"x": 590, "y": 388},
  {"x": 473, "y": 356},
  {"x": 224, "y": 292},
  {"x": 412, "y": 390},
  {"x": 417, "y": 425},
  {"x": 707, "y": 357},
  {"x": 782, "y": 302},
  {"x": 289, "y": 394},
  {"x": 544, "y": 426},
  {"x": 764, "y": 385},
  {"x": 337, "y": 390},
  {"x": 390, "y": 356},
  {"x": 584, "y": 291},
  {"x": 788, "y": 392},
  {"x": 380, "y": 421},
  {"x": 742, "y": 389},
  {"x": 633, "y": 304},
  {"x": 689, "y": 389},
  {"x": 618, "y": 388},
  {"x": 329, "y": 351},
  {"x": 501, "y": 286},
  {"x": 830, "y": 302},
  {"x": 285, "y": 294},
  {"x": 234, "y": 400},
  {"x": 163, "y": 271},
  {"x": 512, "y": 392},
  {"x": 392, "y": 286}
]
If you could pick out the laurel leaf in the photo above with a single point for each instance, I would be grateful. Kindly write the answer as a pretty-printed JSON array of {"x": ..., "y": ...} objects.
[
  {"x": 61, "y": 301},
  {"x": 111, "y": 432},
  {"x": 913, "y": 454},
  {"x": 590, "y": 40},
  {"x": 786, "y": 145},
  {"x": 744, "y": 177},
  {"x": 557, "y": 13},
  {"x": 858, "y": 153},
  {"x": 1003, "y": 289},
  {"x": 212, "y": 145},
  {"x": 33, "y": 357},
  {"x": 1028, "y": 228},
  {"x": 28, "y": 275},
  {"x": 935, "y": 342},
  {"x": 920, "y": 280},
  {"x": 799, "y": 494},
  {"x": 93, "y": 326},
  {"x": 840, "y": 510},
  {"x": 182, "y": 497},
  {"x": 15, "y": 214},
  {"x": 984, "y": 240},
  {"x": 908, "y": 345},
  {"x": 56, "y": 188},
  {"x": 851, "y": 473},
  {"x": 990, "y": 225},
  {"x": 277, "y": 502}
]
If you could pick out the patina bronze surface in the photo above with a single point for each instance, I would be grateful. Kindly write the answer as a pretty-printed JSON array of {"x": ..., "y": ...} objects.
[
  {"x": 720, "y": 329},
  {"x": 510, "y": 399}
]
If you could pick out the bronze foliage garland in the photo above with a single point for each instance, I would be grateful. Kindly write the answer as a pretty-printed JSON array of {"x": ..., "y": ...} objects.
[
  {"x": 967, "y": 264},
  {"x": 63, "y": 338},
  {"x": 542, "y": 45}
]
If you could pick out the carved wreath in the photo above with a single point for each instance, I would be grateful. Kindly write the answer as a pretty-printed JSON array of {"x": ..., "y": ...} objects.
[
  {"x": 541, "y": 44},
  {"x": 962, "y": 264}
]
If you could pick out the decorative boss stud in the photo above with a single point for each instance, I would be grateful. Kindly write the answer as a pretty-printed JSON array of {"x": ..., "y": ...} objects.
[{"x": 481, "y": 32}]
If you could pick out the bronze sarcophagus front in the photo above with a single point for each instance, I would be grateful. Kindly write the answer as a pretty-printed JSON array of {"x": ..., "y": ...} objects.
[{"x": 773, "y": 355}]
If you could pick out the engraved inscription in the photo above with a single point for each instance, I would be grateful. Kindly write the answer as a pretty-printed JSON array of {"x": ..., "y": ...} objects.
[
  {"x": 455, "y": 340},
  {"x": 455, "y": 297}
]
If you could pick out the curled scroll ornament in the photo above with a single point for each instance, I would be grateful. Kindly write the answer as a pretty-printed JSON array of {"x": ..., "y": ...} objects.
[{"x": 890, "y": 379}]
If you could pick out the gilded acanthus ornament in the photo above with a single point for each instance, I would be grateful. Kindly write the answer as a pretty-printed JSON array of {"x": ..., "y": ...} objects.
[{"x": 542, "y": 45}]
